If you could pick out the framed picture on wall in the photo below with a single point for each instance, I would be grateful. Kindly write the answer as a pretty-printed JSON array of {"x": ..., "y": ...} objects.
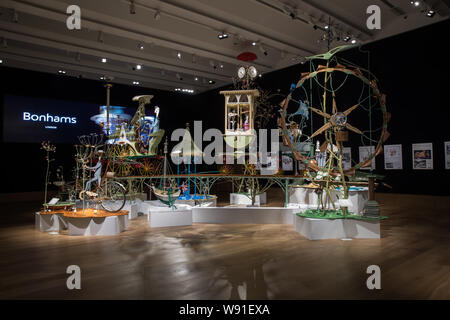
[
  {"x": 422, "y": 156},
  {"x": 447, "y": 154},
  {"x": 393, "y": 158}
]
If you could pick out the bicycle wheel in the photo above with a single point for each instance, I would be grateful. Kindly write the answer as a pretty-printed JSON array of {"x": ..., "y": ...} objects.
[{"x": 114, "y": 196}]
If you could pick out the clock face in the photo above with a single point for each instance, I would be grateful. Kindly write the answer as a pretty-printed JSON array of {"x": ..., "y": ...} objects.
[
  {"x": 252, "y": 72},
  {"x": 241, "y": 72}
]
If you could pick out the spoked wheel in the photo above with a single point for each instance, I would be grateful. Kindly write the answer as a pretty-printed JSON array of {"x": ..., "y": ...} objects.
[{"x": 113, "y": 196}]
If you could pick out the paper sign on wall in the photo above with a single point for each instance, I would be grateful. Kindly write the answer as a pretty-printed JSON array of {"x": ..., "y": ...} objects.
[
  {"x": 422, "y": 156},
  {"x": 365, "y": 152},
  {"x": 393, "y": 158},
  {"x": 447, "y": 154},
  {"x": 346, "y": 158},
  {"x": 287, "y": 163}
]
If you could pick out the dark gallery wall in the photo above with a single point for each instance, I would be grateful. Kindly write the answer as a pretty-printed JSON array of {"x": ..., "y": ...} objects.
[{"x": 411, "y": 68}]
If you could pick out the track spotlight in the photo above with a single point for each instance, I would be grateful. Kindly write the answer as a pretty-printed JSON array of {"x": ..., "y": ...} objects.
[
  {"x": 222, "y": 35},
  {"x": 100, "y": 36},
  {"x": 157, "y": 15},
  {"x": 132, "y": 7},
  {"x": 15, "y": 16},
  {"x": 264, "y": 51}
]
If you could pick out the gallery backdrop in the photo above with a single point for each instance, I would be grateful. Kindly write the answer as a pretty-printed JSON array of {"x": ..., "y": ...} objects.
[{"x": 411, "y": 69}]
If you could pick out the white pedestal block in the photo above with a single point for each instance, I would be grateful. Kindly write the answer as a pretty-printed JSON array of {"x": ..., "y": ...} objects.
[
  {"x": 319, "y": 229},
  {"x": 307, "y": 198},
  {"x": 168, "y": 217},
  {"x": 102, "y": 226},
  {"x": 239, "y": 198},
  {"x": 358, "y": 200},
  {"x": 50, "y": 222},
  {"x": 244, "y": 215},
  {"x": 132, "y": 207}
]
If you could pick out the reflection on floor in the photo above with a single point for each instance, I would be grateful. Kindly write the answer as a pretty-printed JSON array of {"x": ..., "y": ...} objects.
[{"x": 231, "y": 261}]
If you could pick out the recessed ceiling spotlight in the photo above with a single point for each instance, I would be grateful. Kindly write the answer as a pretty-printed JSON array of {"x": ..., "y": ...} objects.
[
  {"x": 61, "y": 71},
  {"x": 415, "y": 3},
  {"x": 253, "y": 43},
  {"x": 102, "y": 78},
  {"x": 136, "y": 83},
  {"x": 104, "y": 60},
  {"x": 211, "y": 82},
  {"x": 196, "y": 78},
  {"x": 157, "y": 15},
  {"x": 138, "y": 67},
  {"x": 1, "y": 61},
  {"x": 222, "y": 35},
  {"x": 353, "y": 41},
  {"x": 221, "y": 66},
  {"x": 430, "y": 13},
  {"x": 326, "y": 27},
  {"x": 347, "y": 39},
  {"x": 141, "y": 46},
  {"x": 179, "y": 55}
]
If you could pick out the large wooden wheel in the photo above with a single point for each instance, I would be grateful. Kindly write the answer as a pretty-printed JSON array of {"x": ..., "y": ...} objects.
[{"x": 335, "y": 119}]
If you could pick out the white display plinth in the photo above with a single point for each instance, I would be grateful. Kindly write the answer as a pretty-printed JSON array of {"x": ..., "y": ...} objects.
[
  {"x": 170, "y": 217},
  {"x": 307, "y": 198},
  {"x": 102, "y": 226},
  {"x": 132, "y": 207},
  {"x": 320, "y": 229},
  {"x": 50, "y": 222},
  {"x": 243, "y": 215},
  {"x": 239, "y": 198}
]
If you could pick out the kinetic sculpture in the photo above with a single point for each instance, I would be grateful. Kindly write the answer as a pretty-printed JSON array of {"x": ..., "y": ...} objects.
[{"x": 333, "y": 85}]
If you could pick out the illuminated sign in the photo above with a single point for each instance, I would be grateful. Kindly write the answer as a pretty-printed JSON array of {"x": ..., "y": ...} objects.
[{"x": 27, "y": 116}]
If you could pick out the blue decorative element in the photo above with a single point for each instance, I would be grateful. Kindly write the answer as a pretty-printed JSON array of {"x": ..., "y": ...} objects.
[
  {"x": 293, "y": 86},
  {"x": 302, "y": 110}
]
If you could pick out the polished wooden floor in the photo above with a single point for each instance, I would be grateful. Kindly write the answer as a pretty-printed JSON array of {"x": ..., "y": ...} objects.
[{"x": 207, "y": 261}]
